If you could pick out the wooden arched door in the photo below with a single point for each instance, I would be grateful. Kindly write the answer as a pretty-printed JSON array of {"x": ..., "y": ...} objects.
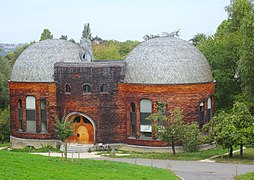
[
  {"x": 83, "y": 130},
  {"x": 83, "y": 135}
]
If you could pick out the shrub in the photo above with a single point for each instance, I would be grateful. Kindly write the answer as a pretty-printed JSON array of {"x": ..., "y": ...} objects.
[
  {"x": 4, "y": 125},
  {"x": 191, "y": 137}
]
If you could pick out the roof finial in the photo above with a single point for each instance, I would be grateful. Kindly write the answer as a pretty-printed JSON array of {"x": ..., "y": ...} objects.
[
  {"x": 86, "y": 44},
  {"x": 174, "y": 33}
]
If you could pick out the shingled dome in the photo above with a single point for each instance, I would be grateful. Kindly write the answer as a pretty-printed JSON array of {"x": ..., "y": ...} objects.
[
  {"x": 167, "y": 60},
  {"x": 36, "y": 63}
]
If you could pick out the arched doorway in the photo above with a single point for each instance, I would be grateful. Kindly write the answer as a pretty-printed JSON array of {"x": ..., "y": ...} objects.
[{"x": 84, "y": 129}]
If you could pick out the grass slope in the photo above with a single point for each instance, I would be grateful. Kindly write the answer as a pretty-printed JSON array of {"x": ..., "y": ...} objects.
[
  {"x": 188, "y": 156},
  {"x": 19, "y": 165},
  {"x": 248, "y": 157},
  {"x": 247, "y": 176}
]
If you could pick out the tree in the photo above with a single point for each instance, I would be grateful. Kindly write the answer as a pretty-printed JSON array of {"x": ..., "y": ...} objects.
[
  {"x": 230, "y": 53},
  {"x": 222, "y": 52},
  {"x": 171, "y": 127},
  {"x": 5, "y": 73},
  {"x": 232, "y": 128},
  {"x": 242, "y": 120},
  {"x": 191, "y": 137},
  {"x": 126, "y": 47},
  {"x": 63, "y": 130},
  {"x": 113, "y": 50},
  {"x": 97, "y": 39},
  {"x": 106, "y": 52},
  {"x": 237, "y": 11},
  {"x": 5, "y": 125},
  {"x": 198, "y": 38},
  {"x": 46, "y": 34},
  {"x": 64, "y": 37},
  {"x": 72, "y": 40},
  {"x": 222, "y": 130},
  {"x": 245, "y": 65},
  {"x": 86, "y": 33},
  {"x": 13, "y": 56}
]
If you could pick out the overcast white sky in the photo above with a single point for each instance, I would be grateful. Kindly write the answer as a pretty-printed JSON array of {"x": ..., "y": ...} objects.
[{"x": 24, "y": 20}]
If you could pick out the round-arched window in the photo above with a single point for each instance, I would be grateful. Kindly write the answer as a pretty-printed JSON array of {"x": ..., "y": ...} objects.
[{"x": 87, "y": 88}]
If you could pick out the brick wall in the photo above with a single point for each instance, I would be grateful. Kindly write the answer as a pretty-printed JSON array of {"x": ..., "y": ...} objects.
[
  {"x": 20, "y": 90},
  {"x": 185, "y": 96},
  {"x": 103, "y": 108}
]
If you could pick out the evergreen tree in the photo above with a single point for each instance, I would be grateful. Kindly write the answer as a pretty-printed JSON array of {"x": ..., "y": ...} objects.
[{"x": 46, "y": 34}]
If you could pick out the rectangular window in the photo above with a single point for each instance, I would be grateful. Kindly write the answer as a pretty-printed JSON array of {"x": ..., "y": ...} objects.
[
  {"x": 20, "y": 114},
  {"x": 43, "y": 116},
  {"x": 133, "y": 123},
  {"x": 30, "y": 113},
  {"x": 145, "y": 111}
]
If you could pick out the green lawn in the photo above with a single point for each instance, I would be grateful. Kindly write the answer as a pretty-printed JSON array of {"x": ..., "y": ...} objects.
[
  {"x": 248, "y": 157},
  {"x": 20, "y": 165},
  {"x": 247, "y": 176},
  {"x": 179, "y": 156},
  {"x": 4, "y": 144}
]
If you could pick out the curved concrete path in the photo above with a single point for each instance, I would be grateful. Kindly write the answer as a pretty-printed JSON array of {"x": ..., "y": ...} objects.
[{"x": 192, "y": 170}]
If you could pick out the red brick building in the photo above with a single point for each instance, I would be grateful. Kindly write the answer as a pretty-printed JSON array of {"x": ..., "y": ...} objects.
[{"x": 107, "y": 101}]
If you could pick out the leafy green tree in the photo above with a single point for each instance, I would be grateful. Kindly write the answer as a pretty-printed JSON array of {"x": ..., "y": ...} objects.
[
  {"x": 232, "y": 128},
  {"x": 13, "y": 56},
  {"x": 242, "y": 120},
  {"x": 227, "y": 137},
  {"x": 5, "y": 125},
  {"x": 5, "y": 72},
  {"x": 222, "y": 52},
  {"x": 198, "y": 38},
  {"x": 171, "y": 127},
  {"x": 113, "y": 50},
  {"x": 237, "y": 11},
  {"x": 246, "y": 62},
  {"x": 230, "y": 54},
  {"x": 106, "y": 52},
  {"x": 126, "y": 47},
  {"x": 191, "y": 137},
  {"x": 46, "y": 34},
  {"x": 222, "y": 130},
  {"x": 97, "y": 39},
  {"x": 63, "y": 130}
]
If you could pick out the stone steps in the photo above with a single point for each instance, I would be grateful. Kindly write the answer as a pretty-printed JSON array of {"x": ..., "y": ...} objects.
[{"x": 78, "y": 148}]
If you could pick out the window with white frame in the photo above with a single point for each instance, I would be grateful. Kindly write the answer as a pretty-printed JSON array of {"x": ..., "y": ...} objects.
[
  {"x": 145, "y": 111},
  {"x": 30, "y": 113},
  {"x": 209, "y": 109}
]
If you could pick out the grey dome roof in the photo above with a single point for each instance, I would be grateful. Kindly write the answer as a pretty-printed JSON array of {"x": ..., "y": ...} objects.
[
  {"x": 36, "y": 63},
  {"x": 167, "y": 60}
]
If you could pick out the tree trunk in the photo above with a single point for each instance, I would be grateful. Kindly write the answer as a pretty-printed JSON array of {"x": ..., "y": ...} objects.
[
  {"x": 230, "y": 152},
  {"x": 65, "y": 150},
  {"x": 173, "y": 147},
  {"x": 241, "y": 150}
]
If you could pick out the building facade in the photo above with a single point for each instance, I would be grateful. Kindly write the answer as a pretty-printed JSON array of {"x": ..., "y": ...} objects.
[{"x": 107, "y": 101}]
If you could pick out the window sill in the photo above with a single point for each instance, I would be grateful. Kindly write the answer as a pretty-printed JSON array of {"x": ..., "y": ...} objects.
[
  {"x": 86, "y": 93},
  {"x": 103, "y": 92},
  {"x": 31, "y": 132}
]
